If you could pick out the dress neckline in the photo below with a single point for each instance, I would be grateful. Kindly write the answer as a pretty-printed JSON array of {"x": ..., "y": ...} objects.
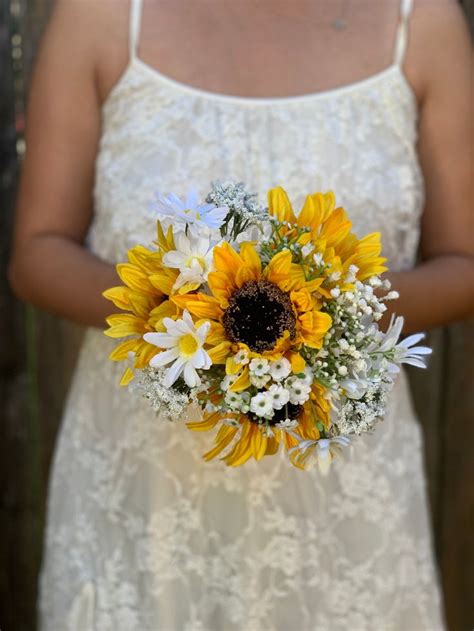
[{"x": 135, "y": 62}]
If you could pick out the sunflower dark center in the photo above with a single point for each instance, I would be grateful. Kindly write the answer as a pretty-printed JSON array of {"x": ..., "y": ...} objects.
[
  {"x": 290, "y": 410},
  {"x": 258, "y": 314}
]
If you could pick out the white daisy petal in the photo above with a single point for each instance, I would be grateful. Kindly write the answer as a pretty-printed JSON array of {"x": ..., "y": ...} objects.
[
  {"x": 411, "y": 339},
  {"x": 415, "y": 362},
  {"x": 190, "y": 376},
  {"x": 175, "y": 259},
  {"x": 203, "y": 331},
  {"x": 161, "y": 359},
  {"x": 192, "y": 198},
  {"x": 162, "y": 340},
  {"x": 174, "y": 371}
]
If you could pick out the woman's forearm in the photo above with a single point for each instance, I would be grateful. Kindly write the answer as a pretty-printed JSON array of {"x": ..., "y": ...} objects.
[
  {"x": 436, "y": 292},
  {"x": 60, "y": 276}
]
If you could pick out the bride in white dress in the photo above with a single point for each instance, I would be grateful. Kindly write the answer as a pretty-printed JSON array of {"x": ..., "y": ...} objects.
[{"x": 142, "y": 534}]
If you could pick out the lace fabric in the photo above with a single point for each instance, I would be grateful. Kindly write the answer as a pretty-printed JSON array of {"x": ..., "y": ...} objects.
[{"x": 142, "y": 534}]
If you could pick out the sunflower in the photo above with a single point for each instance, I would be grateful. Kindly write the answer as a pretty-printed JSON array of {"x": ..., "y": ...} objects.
[
  {"x": 241, "y": 438},
  {"x": 267, "y": 310},
  {"x": 144, "y": 299},
  {"x": 328, "y": 229}
]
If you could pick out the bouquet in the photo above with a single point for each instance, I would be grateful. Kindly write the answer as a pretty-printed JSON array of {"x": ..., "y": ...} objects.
[{"x": 265, "y": 319}]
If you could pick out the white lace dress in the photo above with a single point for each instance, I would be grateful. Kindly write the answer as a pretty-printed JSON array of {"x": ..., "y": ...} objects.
[{"x": 142, "y": 534}]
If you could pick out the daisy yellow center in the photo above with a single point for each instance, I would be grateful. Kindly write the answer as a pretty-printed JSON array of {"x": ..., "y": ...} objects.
[{"x": 188, "y": 345}]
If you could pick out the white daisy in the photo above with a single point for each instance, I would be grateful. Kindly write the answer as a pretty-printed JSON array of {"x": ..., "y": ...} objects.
[
  {"x": 185, "y": 353},
  {"x": 193, "y": 257},
  {"x": 407, "y": 353},
  {"x": 189, "y": 211},
  {"x": 324, "y": 449},
  {"x": 404, "y": 352}
]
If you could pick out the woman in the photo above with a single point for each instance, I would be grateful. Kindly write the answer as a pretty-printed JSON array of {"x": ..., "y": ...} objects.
[{"x": 141, "y": 533}]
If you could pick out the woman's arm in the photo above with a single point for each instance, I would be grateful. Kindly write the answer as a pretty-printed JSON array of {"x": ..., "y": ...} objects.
[
  {"x": 49, "y": 266},
  {"x": 441, "y": 288}
]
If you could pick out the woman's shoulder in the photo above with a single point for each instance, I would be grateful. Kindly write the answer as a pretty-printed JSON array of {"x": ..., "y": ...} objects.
[
  {"x": 90, "y": 37},
  {"x": 439, "y": 44}
]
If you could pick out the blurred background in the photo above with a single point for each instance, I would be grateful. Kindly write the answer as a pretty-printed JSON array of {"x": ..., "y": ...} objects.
[{"x": 37, "y": 357}]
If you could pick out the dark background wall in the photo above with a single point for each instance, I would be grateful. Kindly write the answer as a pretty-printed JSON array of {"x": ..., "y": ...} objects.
[{"x": 37, "y": 354}]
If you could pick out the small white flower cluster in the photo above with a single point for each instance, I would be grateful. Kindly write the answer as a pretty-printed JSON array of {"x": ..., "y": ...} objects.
[
  {"x": 357, "y": 361},
  {"x": 238, "y": 200},
  {"x": 345, "y": 349},
  {"x": 357, "y": 416},
  {"x": 168, "y": 402},
  {"x": 273, "y": 386}
]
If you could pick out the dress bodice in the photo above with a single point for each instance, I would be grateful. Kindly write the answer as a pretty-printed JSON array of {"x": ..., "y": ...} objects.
[{"x": 358, "y": 140}]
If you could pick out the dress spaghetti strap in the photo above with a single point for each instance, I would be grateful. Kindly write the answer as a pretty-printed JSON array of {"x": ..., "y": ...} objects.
[
  {"x": 401, "y": 39},
  {"x": 134, "y": 27}
]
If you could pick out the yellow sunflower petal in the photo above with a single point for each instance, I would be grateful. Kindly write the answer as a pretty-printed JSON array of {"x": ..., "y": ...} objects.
[
  {"x": 119, "y": 296},
  {"x": 251, "y": 259},
  {"x": 316, "y": 209},
  {"x": 121, "y": 351},
  {"x": 143, "y": 355},
  {"x": 259, "y": 444},
  {"x": 208, "y": 423},
  {"x": 242, "y": 382},
  {"x": 336, "y": 227},
  {"x": 167, "y": 309},
  {"x": 124, "y": 324},
  {"x": 244, "y": 274},
  {"x": 243, "y": 449},
  {"x": 166, "y": 242},
  {"x": 127, "y": 377},
  {"x": 224, "y": 437},
  {"x": 297, "y": 363},
  {"x": 200, "y": 305},
  {"x": 216, "y": 334},
  {"x": 313, "y": 327},
  {"x": 226, "y": 260},
  {"x": 231, "y": 368},
  {"x": 219, "y": 353},
  {"x": 221, "y": 287},
  {"x": 272, "y": 446},
  {"x": 135, "y": 278},
  {"x": 164, "y": 281},
  {"x": 279, "y": 205},
  {"x": 278, "y": 270}
]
